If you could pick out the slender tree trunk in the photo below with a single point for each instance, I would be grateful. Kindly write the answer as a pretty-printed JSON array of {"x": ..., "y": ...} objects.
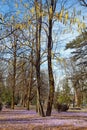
[
  {"x": 14, "y": 73},
  {"x": 29, "y": 92},
  {"x": 51, "y": 78},
  {"x": 38, "y": 48},
  {"x": 30, "y": 81},
  {"x": 50, "y": 72}
]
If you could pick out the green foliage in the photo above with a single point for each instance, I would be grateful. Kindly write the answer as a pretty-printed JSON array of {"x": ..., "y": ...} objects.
[
  {"x": 79, "y": 66},
  {"x": 77, "y": 42},
  {"x": 64, "y": 98},
  {"x": 61, "y": 107},
  {"x": 63, "y": 95},
  {"x": 6, "y": 95}
]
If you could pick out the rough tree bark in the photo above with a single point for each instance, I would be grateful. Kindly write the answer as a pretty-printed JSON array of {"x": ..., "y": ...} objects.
[
  {"x": 38, "y": 49},
  {"x": 50, "y": 71}
]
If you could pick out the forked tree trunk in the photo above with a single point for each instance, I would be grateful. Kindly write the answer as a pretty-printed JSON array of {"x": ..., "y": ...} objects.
[{"x": 38, "y": 49}]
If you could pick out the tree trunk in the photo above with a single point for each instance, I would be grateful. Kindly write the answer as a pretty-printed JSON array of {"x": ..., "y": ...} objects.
[
  {"x": 50, "y": 72},
  {"x": 30, "y": 83},
  {"x": 38, "y": 48},
  {"x": 14, "y": 73},
  {"x": 51, "y": 78},
  {"x": 39, "y": 104}
]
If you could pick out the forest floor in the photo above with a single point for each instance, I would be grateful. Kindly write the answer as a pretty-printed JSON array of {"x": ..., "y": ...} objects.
[{"x": 19, "y": 119}]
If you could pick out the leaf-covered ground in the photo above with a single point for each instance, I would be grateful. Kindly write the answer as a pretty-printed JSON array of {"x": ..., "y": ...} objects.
[{"x": 30, "y": 120}]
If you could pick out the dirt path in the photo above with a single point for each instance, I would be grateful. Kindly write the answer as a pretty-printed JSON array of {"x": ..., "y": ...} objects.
[{"x": 29, "y": 120}]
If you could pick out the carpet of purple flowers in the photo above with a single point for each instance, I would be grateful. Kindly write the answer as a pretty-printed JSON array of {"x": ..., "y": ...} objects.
[{"x": 29, "y": 120}]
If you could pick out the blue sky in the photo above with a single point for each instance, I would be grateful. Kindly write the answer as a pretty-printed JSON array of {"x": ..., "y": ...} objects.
[{"x": 8, "y": 5}]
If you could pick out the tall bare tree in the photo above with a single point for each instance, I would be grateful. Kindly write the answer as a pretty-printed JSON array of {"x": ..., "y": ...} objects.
[
  {"x": 38, "y": 6},
  {"x": 51, "y": 9}
]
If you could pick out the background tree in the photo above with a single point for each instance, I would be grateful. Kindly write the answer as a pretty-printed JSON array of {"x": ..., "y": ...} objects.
[{"x": 79, "y": 64}]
